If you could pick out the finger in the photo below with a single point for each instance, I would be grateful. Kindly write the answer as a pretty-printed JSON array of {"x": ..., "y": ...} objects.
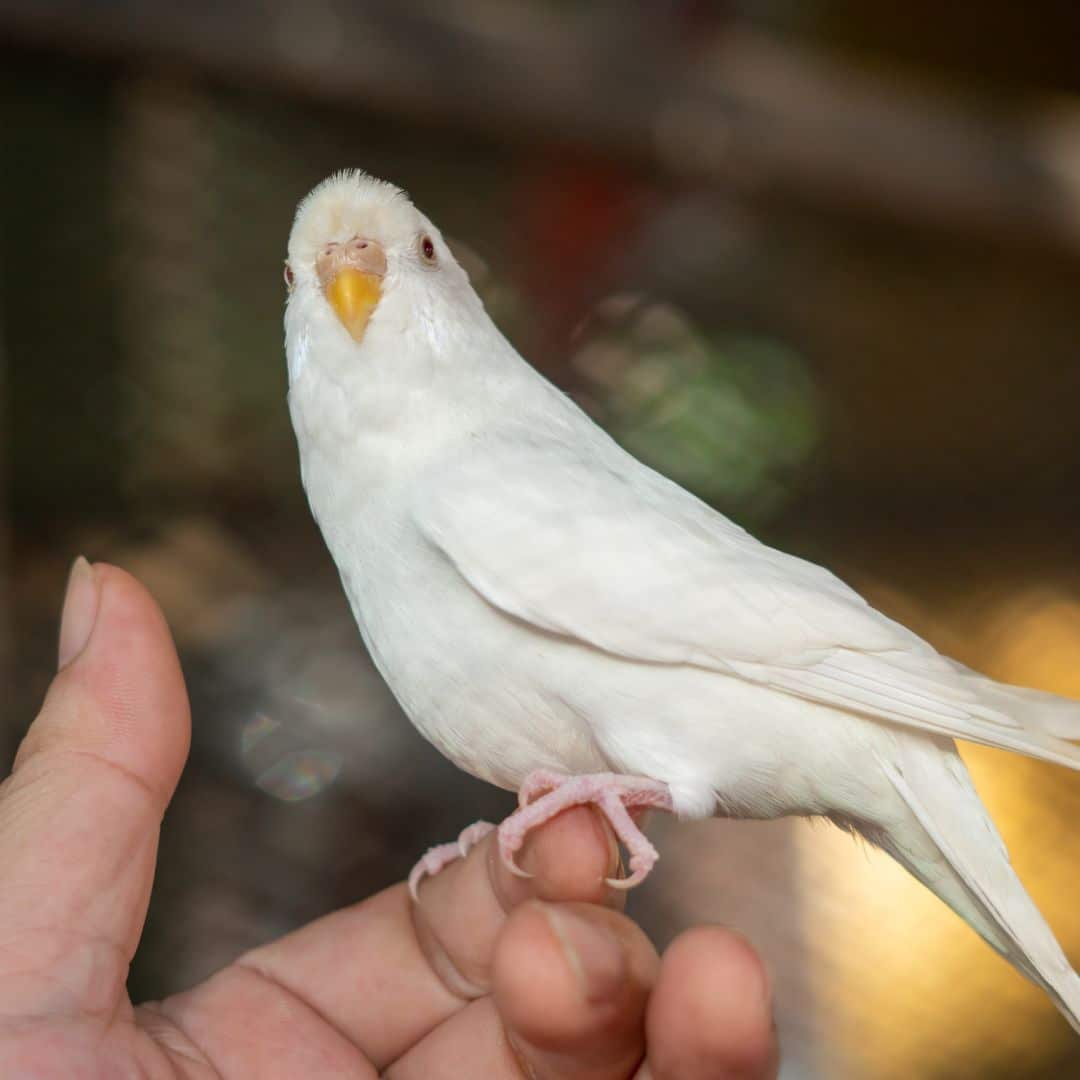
[
  {"x": 710, "y": 1014},
  {"x": 571, "y": 982},
  {"x": 462, "y": 910},
  {"x": 387, "y": 971},
  {"x": 79, "y": 816}
]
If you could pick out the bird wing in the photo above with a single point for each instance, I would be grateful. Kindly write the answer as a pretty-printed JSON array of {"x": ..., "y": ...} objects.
[{"x": 602, "y": 550}]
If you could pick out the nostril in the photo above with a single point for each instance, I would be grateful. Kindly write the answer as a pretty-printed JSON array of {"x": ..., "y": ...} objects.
[{"x": 361, "y": 244}]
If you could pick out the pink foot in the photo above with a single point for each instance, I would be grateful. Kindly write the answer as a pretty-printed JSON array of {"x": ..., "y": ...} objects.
[
  {"x": 545, "y": 794},
  {"x": 434, "y": 859}
]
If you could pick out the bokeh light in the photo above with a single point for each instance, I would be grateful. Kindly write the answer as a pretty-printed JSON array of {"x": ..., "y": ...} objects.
[{"x": 732, "y": 419}]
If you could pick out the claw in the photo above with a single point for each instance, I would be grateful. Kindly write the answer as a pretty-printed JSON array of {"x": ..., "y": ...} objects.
[
  {"x": 507, "y": 853},
  {"x": 638, "y": 874},
  {"x": 434, "y": 859},
  {"x": 416, "y": 875},
  {"x": 516, "y": 870},
  {"x": 421, "y": 870},
  {"x": 468, "y": 838}
]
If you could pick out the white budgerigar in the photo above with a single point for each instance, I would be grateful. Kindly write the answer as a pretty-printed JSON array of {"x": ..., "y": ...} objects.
[{"x": 560, "y": 620}]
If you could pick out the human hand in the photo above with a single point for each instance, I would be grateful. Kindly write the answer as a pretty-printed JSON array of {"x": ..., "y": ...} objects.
[{"x": 488, "y": 976}]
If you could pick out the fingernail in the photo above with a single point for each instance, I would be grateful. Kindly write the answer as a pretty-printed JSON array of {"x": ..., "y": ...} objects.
[
  {"x": 614, "y": 854},
  {"x": 80, "y": 611},
  {"x": 592, "y": 952}
]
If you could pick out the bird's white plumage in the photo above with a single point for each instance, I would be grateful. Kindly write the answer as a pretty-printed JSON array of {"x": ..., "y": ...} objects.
[
  {"x": 537, "y": 598},
  {"x": 624, "y": 560}
]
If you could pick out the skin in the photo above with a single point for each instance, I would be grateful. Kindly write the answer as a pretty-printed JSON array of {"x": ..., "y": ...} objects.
[{"x": 490, "y": 975}]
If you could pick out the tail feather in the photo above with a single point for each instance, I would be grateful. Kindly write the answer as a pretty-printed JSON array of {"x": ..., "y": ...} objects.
[
  {"x": 928, "y": 692},
  {"x": 950, "y": 844},
  {"x": 1036, "y": 711}
]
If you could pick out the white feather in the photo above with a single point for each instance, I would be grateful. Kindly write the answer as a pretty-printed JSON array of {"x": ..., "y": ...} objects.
[
  {"x": 957, "y": 852},
  {"x": 536, "y": 598}
]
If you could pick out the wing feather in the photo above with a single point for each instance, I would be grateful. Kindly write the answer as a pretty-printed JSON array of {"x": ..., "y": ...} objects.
[
  {"x": 633, "y": 564},
  {"x": 598, "y": 548}
]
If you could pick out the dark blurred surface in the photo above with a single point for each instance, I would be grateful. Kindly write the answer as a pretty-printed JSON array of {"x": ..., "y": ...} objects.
[{"x": 818, "y": 262}]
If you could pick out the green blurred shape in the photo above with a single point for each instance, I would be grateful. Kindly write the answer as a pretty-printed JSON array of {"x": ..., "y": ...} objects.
[{"x": 734, "y": 418}]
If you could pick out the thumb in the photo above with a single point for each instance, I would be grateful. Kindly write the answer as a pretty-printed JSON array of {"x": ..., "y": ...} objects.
[{"x": 79, "y": 815}]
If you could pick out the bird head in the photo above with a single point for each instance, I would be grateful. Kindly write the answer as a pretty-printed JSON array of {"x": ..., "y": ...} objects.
[{"x": 361, "y": 257}]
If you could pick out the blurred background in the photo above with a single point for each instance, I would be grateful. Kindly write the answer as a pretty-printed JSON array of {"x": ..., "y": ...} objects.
[{"x": 818, "y": 260}]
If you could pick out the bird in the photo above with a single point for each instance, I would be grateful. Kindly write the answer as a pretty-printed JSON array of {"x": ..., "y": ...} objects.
[{"x": 562, "y": 621}]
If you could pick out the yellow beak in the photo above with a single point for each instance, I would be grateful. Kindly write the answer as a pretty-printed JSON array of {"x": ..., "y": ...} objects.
[
  {"x": 353, "y": 294},
  {"x": 351, "y": 276}
]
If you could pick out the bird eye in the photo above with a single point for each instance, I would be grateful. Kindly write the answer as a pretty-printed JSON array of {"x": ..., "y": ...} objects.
[
  {"x": 427, "y": 249},
  {"x": 290, "y": 278}
]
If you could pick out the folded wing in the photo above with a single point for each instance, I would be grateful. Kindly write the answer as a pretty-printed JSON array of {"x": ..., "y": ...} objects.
[{"x": 602, "y": 550}]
